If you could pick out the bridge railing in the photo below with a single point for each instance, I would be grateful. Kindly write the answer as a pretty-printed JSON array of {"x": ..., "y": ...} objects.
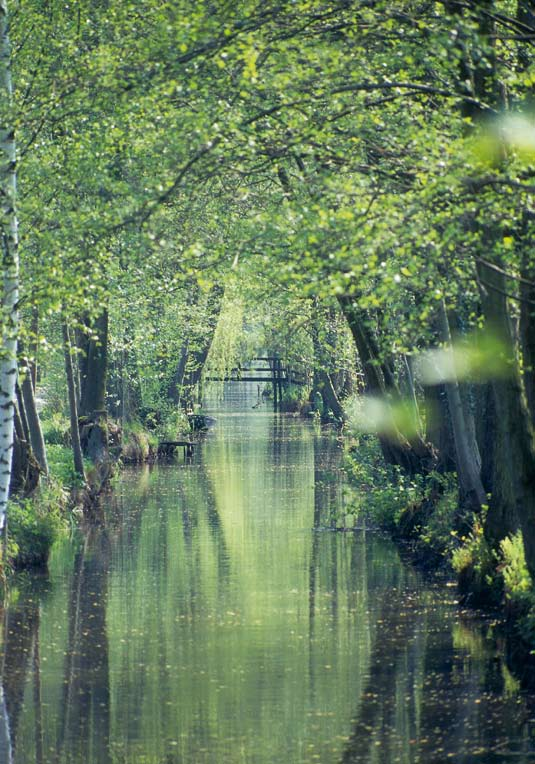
[{"x": 276, "y": 373}]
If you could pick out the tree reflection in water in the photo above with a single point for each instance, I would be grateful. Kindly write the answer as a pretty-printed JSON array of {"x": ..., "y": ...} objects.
[
  {"x": 85, "y": 712},
  {"x": 435, "y": 694}
]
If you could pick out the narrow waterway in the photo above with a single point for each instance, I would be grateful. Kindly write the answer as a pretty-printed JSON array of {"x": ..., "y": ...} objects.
[{"x": 218, "y": 620}]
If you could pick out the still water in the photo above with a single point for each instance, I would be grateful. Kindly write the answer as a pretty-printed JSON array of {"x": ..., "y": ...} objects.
[{"x": 218, "y": 619}]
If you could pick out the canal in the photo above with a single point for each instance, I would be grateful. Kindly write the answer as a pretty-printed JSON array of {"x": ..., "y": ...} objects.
[{"x": 218, "y": 619}]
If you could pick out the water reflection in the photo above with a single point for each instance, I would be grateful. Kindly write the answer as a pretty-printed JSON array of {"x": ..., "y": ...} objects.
[
  {"x": 84, "y": 713},
  {"x": 220, "y": 618},
  {"x": 437, "y": 691}
]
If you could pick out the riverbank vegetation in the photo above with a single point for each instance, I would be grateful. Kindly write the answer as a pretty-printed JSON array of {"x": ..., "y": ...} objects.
[{"x": 346, "y": 187}]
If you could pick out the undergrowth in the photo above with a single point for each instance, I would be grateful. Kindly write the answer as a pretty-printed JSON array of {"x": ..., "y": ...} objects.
[
  {"x": 138, "y": 443},
  {"x": 421, "y": 508},
  {"x": 34, "y": 523},
  {"x": 518, "y": 586},
  {"x": 61, "y": 466},
  {"x": 485, "y": 576}
]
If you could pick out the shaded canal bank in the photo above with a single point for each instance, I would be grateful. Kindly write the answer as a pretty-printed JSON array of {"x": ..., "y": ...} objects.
[{"x": 217, "y": 619}]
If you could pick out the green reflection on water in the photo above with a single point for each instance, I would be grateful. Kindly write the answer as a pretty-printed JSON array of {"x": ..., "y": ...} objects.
[{"x": 218, "y": 619}]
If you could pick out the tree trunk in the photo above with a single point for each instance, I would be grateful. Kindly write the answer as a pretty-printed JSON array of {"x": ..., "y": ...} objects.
[
  {"x": 190, "y": 367},
  {"x": 174, "y": 389},
  {"x": 515, "y": 433},
  {"x": 471, "y": 488},
  {"x": 94, "y": 435},
  {"x": 330, "y": 399},
  {"x": 93, "y": 380},
  {"x": 486, "y": 434},
  {"x": 411, "y": 392},
  {"x": 73, "y": 407},
  {"x": 10, "y": 267},
  {"x": 438, "y": 427},
  {"x": 25, "y": 470},
  {"x": 82, "y": 344},
  {"x": 37, "y": 440},
  {"x": 527, "y": 324},
  {"x": 411, "y": 452},
  {"x": 34, "y": 346}
]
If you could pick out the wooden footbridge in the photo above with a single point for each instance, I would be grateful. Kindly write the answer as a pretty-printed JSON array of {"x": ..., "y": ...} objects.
[{"x": 275, "y": 372}]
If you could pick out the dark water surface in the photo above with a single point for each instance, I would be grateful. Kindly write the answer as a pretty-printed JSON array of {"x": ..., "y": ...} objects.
[{"x": 210, "y": 623}]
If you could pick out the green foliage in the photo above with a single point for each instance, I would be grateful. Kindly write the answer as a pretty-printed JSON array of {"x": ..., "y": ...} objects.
[
  {"x": 442, "y": 492},
  {"x": 383, "y": 491},
  {"x": 473, "y": 552},
  {"x": 173, "y": 424},
  {"x": 294, "y": 398},
  {"x": 61, "y": 465},
  {"x": 518, "y": 586},
  {"x": 426, "y": 504},
  {"x": 513, "y": 567},
  {"x": 34, "y": 525},
  {"x": 137, "y": 443},
  {"x": 56, "y": 429}
]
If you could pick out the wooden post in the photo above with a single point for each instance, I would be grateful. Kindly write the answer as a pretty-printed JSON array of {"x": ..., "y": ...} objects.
[
  {"x": 279, "y": 365},
  {"x": 275, "y": 386}
]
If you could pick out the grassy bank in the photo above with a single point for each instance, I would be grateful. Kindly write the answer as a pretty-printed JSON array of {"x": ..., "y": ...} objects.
[
  {"x": 37, "y": 520},
  {"x": 422, "y": 512}
]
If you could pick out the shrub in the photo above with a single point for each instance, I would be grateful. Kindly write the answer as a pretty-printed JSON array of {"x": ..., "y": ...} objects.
[
  {"x": 61, "y": 465},
  {"x": 56, "y": 430},
  {"x": 138, "y": 444},
  {"x": 174, "y": 423},
  {"x": 387, "y": 491},
  {"x": 34, "y": 524},
  {"x": 294, "y": 397},
  {"x": 514, "y": 570},
  {"x": 518, "y": 586},
  {"x": 441, "y": 493}
]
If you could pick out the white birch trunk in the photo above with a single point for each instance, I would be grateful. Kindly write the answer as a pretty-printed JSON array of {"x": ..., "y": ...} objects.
[{"x": 9, "y": 265}]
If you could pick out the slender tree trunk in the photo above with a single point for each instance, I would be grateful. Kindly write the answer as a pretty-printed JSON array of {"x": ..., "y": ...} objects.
[
  {"x": 94, "y": 436},
  {"x": 73, "y": 406},
  {"x": 486, "y": 434},
  {"x": 82, "y": 357},
  {"x": 34, "y": 346},
  {"x": 174, "y": 389},
  {"x": 10, "y": 267},
  {"x": 37, "y": 440},
  {"x": 470, "y": 484},
  {"x": 438, "y": 427},
  {"x": 25, "y": 470},
  {"x": 411, "y": 390},
  {"x": 323, "y": 383},
  {"x": 20, "y": 413},
  {"x": 191, "y": 364},
  {"x": 502, "y": 518}
]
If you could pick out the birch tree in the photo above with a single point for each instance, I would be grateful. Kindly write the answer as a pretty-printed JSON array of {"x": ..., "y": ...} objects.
[{"x": 10, "y": 265}]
